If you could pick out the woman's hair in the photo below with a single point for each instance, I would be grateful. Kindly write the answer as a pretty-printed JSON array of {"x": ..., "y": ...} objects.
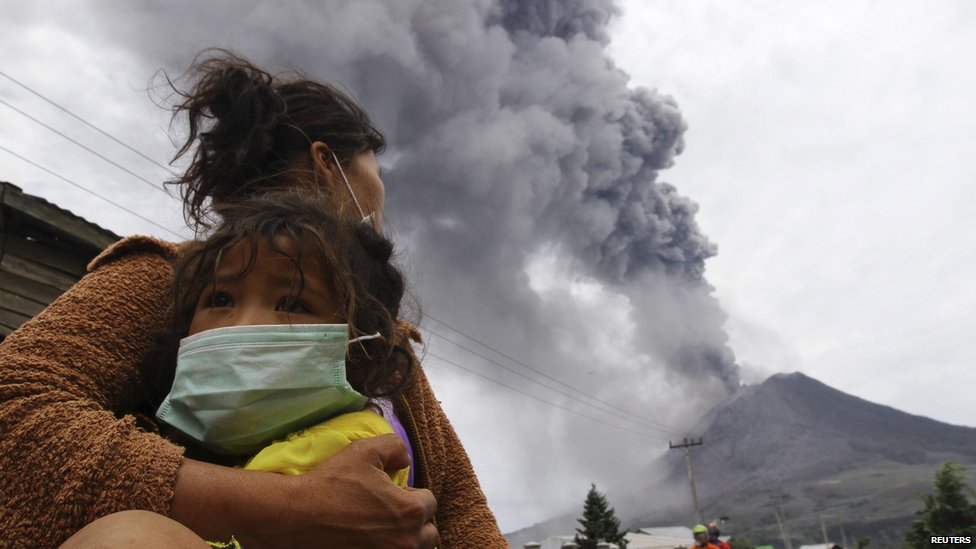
[
  {"x": 251, "y": 132},
  {"x": 355, "y": 263}
]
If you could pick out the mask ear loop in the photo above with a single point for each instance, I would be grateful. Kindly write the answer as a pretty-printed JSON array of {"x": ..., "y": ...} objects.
[
  {"x": 348, "y": 186},
  {"x": 377, "y": 335},
  {"x": 360, "y": 339}
]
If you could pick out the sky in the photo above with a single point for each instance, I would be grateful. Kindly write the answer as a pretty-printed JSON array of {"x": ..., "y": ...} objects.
[{"x": 611, "y": 214}]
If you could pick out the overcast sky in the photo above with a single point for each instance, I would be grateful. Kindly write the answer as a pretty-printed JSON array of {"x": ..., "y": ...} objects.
[{"x": 828, "y": 149}]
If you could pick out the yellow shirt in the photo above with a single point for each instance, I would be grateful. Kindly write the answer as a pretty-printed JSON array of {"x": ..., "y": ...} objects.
[{"x": 303, "y": 450}]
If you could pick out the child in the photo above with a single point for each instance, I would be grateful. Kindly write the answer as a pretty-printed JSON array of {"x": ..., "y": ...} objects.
[{"x": 273, "y": 306}]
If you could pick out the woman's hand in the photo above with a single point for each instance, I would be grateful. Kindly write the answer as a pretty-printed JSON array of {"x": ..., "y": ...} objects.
[
  {"x": 347, "y": 501},
  {"x": 365, "y": 508}
]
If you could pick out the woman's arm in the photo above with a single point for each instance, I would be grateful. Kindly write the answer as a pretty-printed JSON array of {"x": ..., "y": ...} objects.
[
  {"x": 348, "y": 501},
  {"x": 463, "y": 517},
  {"x": 68, "y": 454}
]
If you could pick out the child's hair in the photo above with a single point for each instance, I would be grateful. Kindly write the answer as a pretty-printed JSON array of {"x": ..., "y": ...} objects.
[{"x": 355, "y": 262}]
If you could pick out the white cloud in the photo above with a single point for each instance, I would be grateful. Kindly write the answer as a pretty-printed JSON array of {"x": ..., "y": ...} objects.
[{"x": 105, "y": 86}]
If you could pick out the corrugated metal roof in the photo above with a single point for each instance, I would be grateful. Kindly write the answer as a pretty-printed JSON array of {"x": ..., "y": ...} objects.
[
  {"x": 56, "y": 218},
  {"x": 682, "y": 532},
  {"x": 649, "y": 541}
]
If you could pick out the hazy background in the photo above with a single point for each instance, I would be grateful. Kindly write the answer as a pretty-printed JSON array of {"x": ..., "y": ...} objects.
[{"x": 558, "y": 175}]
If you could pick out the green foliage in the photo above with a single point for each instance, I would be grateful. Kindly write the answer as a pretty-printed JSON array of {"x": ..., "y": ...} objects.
[
  {"x": 863, "y": 542},
  {"x": 741, "y": 543},
  {"x": 947, "y": 512},
  {"x": 599, "y": 523}
]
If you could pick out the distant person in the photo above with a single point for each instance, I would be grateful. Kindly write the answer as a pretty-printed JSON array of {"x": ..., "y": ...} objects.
[
  {"x": 701, "y": 537},
  {"x": 713, "y": 535}
]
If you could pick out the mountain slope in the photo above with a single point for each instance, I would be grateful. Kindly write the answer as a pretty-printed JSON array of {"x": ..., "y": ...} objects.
[
  {"x": 826, "y": 452},
  {"x": 859, "y": 464},
  {"x": 794, "y": 426}
]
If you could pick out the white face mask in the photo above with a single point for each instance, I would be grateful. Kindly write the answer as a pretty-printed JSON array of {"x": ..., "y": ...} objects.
[
  {"x": 238, "y": 388},
  {"x": 367, "y": 219}
]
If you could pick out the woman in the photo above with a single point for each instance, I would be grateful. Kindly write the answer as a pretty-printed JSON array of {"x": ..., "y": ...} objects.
[{"x": 73, "y": 380}]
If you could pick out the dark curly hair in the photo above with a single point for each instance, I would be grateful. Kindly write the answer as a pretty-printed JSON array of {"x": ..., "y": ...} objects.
[
  {"x": 355, "y": 263},
  {"x": 250, "y": 131}
]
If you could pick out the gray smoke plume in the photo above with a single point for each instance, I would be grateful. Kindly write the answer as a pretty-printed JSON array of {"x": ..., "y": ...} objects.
[
  {"x": 522, "y": 186},
  {"x": 556, "y": 149},
  {"x": 562, "y": 19}
]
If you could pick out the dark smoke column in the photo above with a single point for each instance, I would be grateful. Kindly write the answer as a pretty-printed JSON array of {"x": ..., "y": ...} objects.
[
  {"x": 652, "y": 230},
  {"x": 522, "y": 119}
]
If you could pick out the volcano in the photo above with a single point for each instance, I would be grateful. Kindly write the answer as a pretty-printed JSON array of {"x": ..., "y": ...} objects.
[
  {"x": 792, "y": 426},
  {"x": 821, "y": 452},
  {"x": 818, "y": 452}
]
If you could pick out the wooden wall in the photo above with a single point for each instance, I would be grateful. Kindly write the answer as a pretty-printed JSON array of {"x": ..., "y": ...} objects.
[{"x": 43, "y": 251}]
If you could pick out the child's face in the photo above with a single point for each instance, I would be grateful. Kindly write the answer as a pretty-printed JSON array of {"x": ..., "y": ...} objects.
[{"x": 267, "y": 293}]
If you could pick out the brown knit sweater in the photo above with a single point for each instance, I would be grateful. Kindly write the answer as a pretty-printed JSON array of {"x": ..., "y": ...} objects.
[{"x": 71, "y": 452}]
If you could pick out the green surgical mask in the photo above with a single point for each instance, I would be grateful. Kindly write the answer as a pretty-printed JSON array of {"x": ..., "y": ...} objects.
[{"x": 236, "y": 389}]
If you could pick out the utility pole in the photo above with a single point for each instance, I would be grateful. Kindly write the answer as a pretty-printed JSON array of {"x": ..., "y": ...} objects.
[
  {"x": 782, "y": 532},
  {"x": 823, "y": 529},
  {"x": 781, "y": 519},
  {"x": 699, "y": 516}
]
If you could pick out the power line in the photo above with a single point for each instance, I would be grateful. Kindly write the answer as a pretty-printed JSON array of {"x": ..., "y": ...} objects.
[
  {"x": 92, "y": 151},
  {"x": 656, "y": 425},
  {"x": 635, "y": 419},
  {"x": 83, "y": 121},
  {"x": 570, "y": 410},
  {"x": 628, "y": 417},
  {"x": 93, "y": 193}
]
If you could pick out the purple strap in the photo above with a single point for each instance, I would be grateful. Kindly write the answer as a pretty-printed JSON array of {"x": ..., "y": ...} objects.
[{"x": 385, "y": 406}]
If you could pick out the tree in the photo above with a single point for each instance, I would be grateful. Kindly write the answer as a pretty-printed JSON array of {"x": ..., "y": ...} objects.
[
  {"x": 947, "y": 512},
  {"x": 863, "y": 542},
  {"x": 599, "y": 523},
  {"x": 741, "y": 543}
]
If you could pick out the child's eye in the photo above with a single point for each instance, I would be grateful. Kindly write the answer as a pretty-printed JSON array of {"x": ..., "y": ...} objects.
[
  {"x": 292, "y": 305},
  {"x": 220, "y": 299}
]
